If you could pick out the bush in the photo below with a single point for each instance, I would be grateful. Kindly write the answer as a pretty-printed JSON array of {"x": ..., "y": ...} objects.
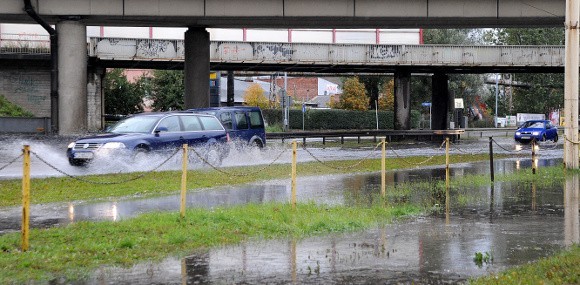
[
  {"x": 8, "y": 109},
  {"x": 335, "y": 119}
]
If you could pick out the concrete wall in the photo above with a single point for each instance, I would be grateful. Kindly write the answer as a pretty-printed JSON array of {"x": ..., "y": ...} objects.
[{"x": 27, "y": 87}]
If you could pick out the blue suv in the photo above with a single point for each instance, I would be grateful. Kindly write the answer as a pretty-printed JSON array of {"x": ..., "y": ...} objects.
[
  {"x": 244, "y": 124},
  {"x": 153, "y": 132}
]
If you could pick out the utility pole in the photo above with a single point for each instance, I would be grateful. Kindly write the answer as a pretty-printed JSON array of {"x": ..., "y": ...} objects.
[{"x": 571, "y": 84}]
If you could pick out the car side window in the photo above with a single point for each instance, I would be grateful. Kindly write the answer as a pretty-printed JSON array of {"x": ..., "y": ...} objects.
[
  {"x": 171, "y": 123},
  {"x": 211, "y": 123},
  {"x": 256, "y": 120},
  {"x": 241, "y": 121},
  {"x": 226, "y": 119},
  {"x": 191, "y": 123}
]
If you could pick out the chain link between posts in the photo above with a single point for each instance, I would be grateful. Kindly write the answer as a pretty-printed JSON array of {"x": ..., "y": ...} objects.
[
  {"x": 342, "y": 167},
  {"x": 11, "y": 162},
  {"x": 415, "y": 163},
  {"x": 480, "y": 151},
  {"x": 216, "y": 168},
  {"x": 104, "y": 182},
  {"x": 505, "y": 149}
]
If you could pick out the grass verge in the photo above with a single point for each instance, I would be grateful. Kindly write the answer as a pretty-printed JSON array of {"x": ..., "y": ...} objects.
[
  {"x": 76, "y": 250},
  {"x": 563, "y": 268},
  {"x": 55, "y": 189}
]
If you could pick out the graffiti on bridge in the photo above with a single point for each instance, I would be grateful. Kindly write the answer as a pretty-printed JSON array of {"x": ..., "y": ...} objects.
[
  {"x": 274, "y": 51},
  {"x": 385, "y": 52},
  {"x": 156, "y": 49}
]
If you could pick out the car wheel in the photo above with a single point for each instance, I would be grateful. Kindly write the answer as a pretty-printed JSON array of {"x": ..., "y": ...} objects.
[
  {"x": 258, "y": 144},
  {"x": 213, "y": 156},
  {"x": 555, "y": 138},
  {"x": 544, "y": 137},
  {"x": 76, "y": 162}
]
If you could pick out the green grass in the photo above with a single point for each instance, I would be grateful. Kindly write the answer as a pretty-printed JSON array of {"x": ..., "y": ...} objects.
[
  {"x": 55, "y": 189},
  {"x": 564, "y": 268},
  {"x": 76, "y": 250}
]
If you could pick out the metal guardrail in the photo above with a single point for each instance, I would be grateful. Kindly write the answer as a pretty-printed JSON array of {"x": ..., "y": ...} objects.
[{"x": 388, "y": 134}]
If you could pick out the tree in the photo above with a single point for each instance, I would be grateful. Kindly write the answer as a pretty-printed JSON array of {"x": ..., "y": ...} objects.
[
  {"x": 354, "y": 95},
  {"x": 121, "y": 96},
  {"x": 254, "y": 96},
  {"x": 452, "y": 36},
  {"x": 373, "y": 84},
  {"x": 387, "y": 96},
  {"x": 546, "y": 91},
  {"x": 167, "y": 89}
]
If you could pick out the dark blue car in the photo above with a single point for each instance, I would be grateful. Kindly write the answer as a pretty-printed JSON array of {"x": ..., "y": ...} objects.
[
  {"x": 152, "y": 132},
  {"x": 244, "y": 124},
  {"x": 539, "y": 130}
]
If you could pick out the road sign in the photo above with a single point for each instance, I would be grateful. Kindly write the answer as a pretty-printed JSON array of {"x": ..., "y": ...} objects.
[{"x": 426, "y": 104}]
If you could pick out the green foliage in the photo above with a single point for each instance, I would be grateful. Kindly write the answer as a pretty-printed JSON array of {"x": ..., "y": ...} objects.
[
  {"x": 560, "y": 269},
  {"x": 121, "y": 96},
  {"x": 480, "y": 258},
  {"x": 452, "y": 36},
  {"x": 335, "y": 119},
  {"x": 373, "y": 86},
  {"x": 8, "y": 109},
  {"x": 167, "y": 90},
  {"x": 545, "y": 91},
  {"x": 354, "y": 95}
]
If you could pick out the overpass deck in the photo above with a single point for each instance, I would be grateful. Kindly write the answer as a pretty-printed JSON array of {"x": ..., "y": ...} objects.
[
  {"x": 338, "y": 57},
  {"x": 312, "y": 57}
]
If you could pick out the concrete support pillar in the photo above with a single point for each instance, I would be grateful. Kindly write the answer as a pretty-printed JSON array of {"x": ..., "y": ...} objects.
[
  {"x": 95, "y": 99},
  {"x": 440, "y": 102},
  {"x": 402, "y": 100},
  {"x": 72, "y": 79},
  {"x": 196, "y": 68},
  {"x": 571, "y": 79},
  {"x": 231, "y": 98}
]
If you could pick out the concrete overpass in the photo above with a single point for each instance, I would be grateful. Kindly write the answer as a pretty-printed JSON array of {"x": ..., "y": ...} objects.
[
  {"x": 295, "y": 13},
  {"x": 330, "y": 58},
  {"x": 68, "y": 55}
]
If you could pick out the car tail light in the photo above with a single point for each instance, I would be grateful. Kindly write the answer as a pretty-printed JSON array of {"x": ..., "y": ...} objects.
[{"x": 228, "y": 137}]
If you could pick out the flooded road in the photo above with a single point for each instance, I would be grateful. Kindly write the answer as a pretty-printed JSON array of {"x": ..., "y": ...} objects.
[{"x": 511, "y": 223}]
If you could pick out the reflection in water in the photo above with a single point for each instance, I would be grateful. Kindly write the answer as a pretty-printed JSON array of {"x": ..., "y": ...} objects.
[
  {"x": 571, "y": 214},
  {"x": 426, "y": 251}
]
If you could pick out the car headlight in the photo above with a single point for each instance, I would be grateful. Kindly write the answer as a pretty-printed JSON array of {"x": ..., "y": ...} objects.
[
  {"x": 71, "y": 145},
  {"x": 114, "y": 145},
  {"x": 518, "y": 133},
  {"x": 536, "y": 133}
]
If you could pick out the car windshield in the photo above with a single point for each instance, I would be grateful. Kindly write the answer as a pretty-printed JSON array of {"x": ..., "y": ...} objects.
[
  {"x": 137, "y": 124},
  {"x": 533, "y": 125}
]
